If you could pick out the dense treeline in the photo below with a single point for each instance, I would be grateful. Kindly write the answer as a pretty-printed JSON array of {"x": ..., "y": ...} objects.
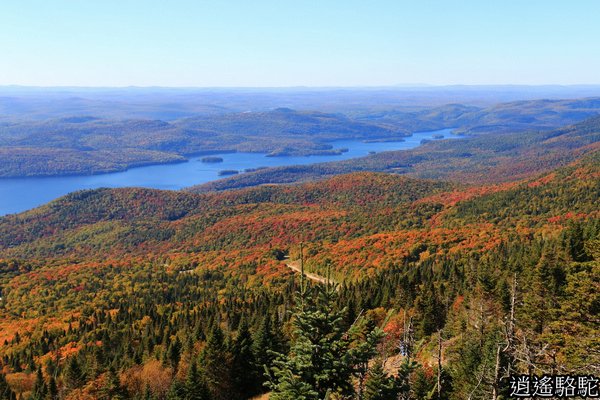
[
  {"x": 103, "y": 220},
  {"x": 147, "y": 333},
  {"x": 444, "y": 290},
  {"x": 153, "y": 336}
]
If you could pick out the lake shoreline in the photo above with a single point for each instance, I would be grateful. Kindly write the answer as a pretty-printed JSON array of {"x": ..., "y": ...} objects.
[{"x": 19, "y": 194}]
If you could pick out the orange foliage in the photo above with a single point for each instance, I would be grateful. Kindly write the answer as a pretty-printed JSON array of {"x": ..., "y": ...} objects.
[
  {"x": 21, "y": 382},
  {"x": 463, "y": 194},
  {"x": 152, "y": 374},
  {"x": 542, "y": 181},
  {"x": 458, "y": 302}
]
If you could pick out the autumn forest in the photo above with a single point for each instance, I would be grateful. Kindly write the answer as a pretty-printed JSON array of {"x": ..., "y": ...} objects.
[{"x": 430, "y": 288}]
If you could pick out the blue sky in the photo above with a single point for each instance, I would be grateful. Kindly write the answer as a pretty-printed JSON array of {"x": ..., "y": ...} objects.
[{"x": 298, "y": 43}]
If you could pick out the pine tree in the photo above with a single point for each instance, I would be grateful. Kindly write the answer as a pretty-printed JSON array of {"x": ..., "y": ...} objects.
[
  {"x": 576, "y": 243},
  {"x": 403, "y": 377},
  {"x": 176, "y": 391},
  {"x": 194, "y": 388},
  {"x": 73, "y": 375},
  {"x": 40, "y": 389},
  {"x": 52, "y": 389},
  {"x": 323, "y": 355},
  {"x": 546, "y": 281},
  {"x": 245, "y": 375},
  {"x": 262, "y": 342},
  {"x": 430, "y": 311},
  {"x": 216, "y": 362},
  {"x": 147, "y": 395},
  {"x": 174, "y": 353},
  {"x": 379, "y": 385},
  {"x": 113, "y": 390}
]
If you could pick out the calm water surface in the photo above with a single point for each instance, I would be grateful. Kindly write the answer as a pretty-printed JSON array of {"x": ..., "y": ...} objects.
[{"x": 20, "y": 194}]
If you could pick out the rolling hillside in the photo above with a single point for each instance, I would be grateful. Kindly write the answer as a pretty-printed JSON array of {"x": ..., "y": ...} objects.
[
  {"x": 86, "y": 145},
  {"x": 93, "y": 143},
  {"x": 95, "y": 270},
  {"x": 492, "y": 158}
]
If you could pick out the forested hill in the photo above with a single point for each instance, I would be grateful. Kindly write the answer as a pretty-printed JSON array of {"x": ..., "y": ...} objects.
[
  {"x": 515, "y": 116},
  {"x": 342, "y": 207},
  {"x": 86, "y": 144},
  {"x": 95, "y": 143},
  {"x": 491, "y": 158},
  {"x": 360, "y": 193},
  {"x": 153, "y": 294},
  {"x": 117, "y": 217}
]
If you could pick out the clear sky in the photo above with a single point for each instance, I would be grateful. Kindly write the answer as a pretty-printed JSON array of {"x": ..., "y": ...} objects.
[{"x": 298, "y": 42}]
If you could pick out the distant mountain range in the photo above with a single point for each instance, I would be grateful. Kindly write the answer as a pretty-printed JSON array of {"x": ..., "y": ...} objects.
[{"x": 88, "y": 143}]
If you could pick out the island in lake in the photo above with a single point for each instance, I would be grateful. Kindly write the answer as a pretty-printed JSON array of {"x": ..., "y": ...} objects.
[
  {"x": 211, "y": 159},
  {"x": 228, "y": 172}
]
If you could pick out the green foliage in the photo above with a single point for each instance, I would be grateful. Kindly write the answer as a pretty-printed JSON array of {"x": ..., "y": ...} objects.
[
  {"x": 73, "y": 375},
  {"x": 505, "y": 155},
  {"x": 113, "y": 390},
  {"x": 183, "y": 296},
  {"x": 245, "y": 371},
  {"x": 40, "y": 390},
  {"x": 195, "y": 388},
  {"x": 323, "y": 356},
  {"x": 216, "y": 363},
  {"x": 380, "y": 386},
  {"x": 94, "y": 145}
]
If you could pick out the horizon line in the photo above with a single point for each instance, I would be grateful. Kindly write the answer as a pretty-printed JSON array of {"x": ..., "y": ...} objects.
[{"x": 394, "y": 86}]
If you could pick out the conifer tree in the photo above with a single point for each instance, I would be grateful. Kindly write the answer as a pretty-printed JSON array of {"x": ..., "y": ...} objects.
[
  {"x": 194, "y": 388},
  {"x": 177, "y": 391},
  {"x": 216, "y": 365},
  {"x": 113, "y": 390},
  {"x": 39, "y": 388},
  {"x": 73, "y": 374},
  {"x": 245, "y": 374},
  {"x": 379, "y": 385},
  {"x": 174, "y": 353},
  {"x": 147, "y": 395},
  {"x": 262, "y": 342},
  {"x": 52, "y": 389},
  {"x": 323, "y": 356},
  {"x": 430, "y": 311}
]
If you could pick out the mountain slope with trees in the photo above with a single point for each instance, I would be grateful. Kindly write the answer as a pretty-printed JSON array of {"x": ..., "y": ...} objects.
[
  {"x": 86, "y": 144},
  {"x": 481, "y": 159},
  {"x": 445, "y": 289}
]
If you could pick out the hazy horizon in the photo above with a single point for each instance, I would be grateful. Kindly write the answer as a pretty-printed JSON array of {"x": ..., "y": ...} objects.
[{"x": 307, "y": 87}]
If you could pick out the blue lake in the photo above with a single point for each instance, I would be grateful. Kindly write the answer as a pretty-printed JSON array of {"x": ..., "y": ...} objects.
[{"x": 20, "y": 194}]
